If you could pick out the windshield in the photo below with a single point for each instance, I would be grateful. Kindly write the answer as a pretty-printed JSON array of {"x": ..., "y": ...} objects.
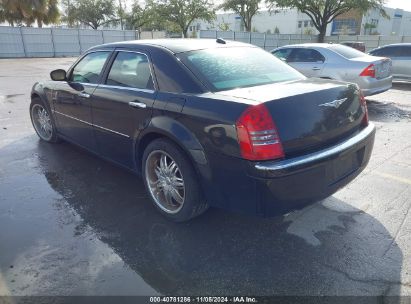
[
  {"x": 346, "y": 51},
  {"x": 238, "y": 67}
]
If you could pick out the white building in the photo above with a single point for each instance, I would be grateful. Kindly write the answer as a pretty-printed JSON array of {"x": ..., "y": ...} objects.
[
  {"x": 399, "y": 22},
  {"x": 291, "y": 21},
  {"x": 283, "y": 21}
]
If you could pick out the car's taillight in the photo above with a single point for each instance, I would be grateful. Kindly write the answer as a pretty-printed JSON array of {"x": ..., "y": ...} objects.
[
  {"x": 365, "y": 110},
  {"x": 369, "y": 71},
  {"x": 257, "y": 134}
]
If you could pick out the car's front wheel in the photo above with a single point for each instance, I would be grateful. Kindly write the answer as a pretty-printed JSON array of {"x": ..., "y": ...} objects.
[
  {"x": 171, "y": 181},
  {"x": 42, "y": 121}
]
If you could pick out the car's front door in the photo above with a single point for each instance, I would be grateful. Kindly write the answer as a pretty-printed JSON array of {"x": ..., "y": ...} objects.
[
  {"x": 308, "y": 61},
  {"x": 71, "y": 99},
  {"x": 122, "y": 105}
]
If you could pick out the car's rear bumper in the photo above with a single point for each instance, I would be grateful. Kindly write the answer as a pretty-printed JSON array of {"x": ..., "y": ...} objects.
[
  {"x": 294, "y": 183},
  {"x": 372, "y": 86},
  {"x": 276, "y": 187}
]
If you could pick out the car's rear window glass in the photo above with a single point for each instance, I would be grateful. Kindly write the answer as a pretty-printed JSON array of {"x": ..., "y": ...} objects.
[
  {"x": 237, "y": 67},
  {"x": 346, "y": 51}
]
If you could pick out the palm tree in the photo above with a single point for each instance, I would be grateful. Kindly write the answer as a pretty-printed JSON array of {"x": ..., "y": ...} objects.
[{"x": 29, "y": 11}]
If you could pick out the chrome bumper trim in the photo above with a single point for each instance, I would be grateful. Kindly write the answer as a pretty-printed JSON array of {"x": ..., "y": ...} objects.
[{"x": 317, "y": 156}]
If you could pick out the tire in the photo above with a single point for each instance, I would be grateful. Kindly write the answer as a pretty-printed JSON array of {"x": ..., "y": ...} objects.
[
  {"x": 173, "y": 187},
  {"x": 42, "y": 121}
]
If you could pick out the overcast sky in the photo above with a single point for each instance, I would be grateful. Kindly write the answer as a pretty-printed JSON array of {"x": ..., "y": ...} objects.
[{"x": 404, "y": 4}]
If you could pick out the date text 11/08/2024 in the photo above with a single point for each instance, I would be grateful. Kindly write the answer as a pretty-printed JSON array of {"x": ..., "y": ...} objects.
[{"x": 237, "y": 299}]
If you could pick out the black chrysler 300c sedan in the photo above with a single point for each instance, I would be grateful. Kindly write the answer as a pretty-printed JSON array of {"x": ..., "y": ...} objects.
[{"x": 209, "y": 123}]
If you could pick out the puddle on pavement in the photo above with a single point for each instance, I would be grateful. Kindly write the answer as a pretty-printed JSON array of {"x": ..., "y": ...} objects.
[{"x": 9, "y": 98}]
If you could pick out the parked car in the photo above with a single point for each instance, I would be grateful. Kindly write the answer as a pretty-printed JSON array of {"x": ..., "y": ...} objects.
[
  {"x": 209, "y": 123},
  {"x": 360, "y": 46},
  {"x": 400, "y": 54},
  {"x": 339, "y": 62}
]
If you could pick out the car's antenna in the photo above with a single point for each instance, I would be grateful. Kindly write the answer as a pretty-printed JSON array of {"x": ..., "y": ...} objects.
[{"x": 221, "y": 40}]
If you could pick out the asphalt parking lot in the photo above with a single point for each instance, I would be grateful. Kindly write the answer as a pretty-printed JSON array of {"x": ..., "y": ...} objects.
[{"x": 73, "y": 224}]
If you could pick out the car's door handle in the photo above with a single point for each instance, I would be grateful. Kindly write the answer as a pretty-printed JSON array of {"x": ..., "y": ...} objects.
[
  {"x": 316, "y": 68},
  {"x": 84, "y": 95},
  {"x": 140, "y": 105}
]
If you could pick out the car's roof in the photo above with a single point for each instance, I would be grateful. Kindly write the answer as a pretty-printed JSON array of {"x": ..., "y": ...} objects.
[
  {"x": 396, "y": 44},
  {"x": 321, "y": 45},
  {"x": 175, "y": 45},
  {"x": 351, "y": 42}
]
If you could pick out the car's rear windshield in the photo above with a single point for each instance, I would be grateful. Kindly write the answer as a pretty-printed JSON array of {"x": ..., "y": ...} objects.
[
  {"x": 238, "y": 67},
  {"x": 346, "y": 51}
]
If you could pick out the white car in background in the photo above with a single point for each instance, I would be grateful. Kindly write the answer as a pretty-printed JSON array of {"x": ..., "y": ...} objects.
[
  {"x": 339, "y": 62},
  {"x": 400, "y": 54}
]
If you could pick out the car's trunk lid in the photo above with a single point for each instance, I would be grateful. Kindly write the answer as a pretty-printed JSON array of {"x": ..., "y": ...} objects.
[
  {"x": 309, "y": 114},
  {"x": 383, "y": 66}
]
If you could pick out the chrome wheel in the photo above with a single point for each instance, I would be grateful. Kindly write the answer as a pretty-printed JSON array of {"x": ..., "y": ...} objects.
[
  {"x": 165, "y": 181},
  {"x": 42, "y": 122}
]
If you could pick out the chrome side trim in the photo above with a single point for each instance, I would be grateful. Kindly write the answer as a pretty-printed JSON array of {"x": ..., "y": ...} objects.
[
  {"x": 68, "y": 116},
  {"x": 107, "y": 86},
  {"x": 112, "y": 131},
  {"x": 90, "y": 124},
  {"x": 317, "y": 156}
]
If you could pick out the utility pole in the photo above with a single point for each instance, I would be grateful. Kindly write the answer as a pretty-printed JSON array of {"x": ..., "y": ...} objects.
[{"x": 121, "y": 14}]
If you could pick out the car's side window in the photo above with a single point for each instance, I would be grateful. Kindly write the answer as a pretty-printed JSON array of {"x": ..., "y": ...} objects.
[
  {"x": 378, "y": 52},
  {"x": 387, "y": 51},
  {"x": 282, "y": 54},
  {"x": 89, "y": 68},
  {"x": 132, "y": 70},
  {"x": 305, "y": 55},
  {"x": 405, "y": 51}
]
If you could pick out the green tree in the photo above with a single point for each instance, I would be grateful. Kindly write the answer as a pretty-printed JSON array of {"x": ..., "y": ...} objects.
[
  {"x": 323, "y": 12},
  {"x": 29, "y": 11},
  {"x": 247, "y": 9},
  {"x": 369, "y": 27},
  {"x": 93, "y": 13},
  {"x": 139, "y": 17},
  {"x": 182, "y": 13},
  {"x": 11, "y": 12},
  {"x": 45, "y": 12}
]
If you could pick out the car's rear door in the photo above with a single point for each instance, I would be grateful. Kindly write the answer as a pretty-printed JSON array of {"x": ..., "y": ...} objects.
[
  {"x": 308, "y": 61},
  {"x": 72, "y": 99},
  {"x": 122, "y": 105}
]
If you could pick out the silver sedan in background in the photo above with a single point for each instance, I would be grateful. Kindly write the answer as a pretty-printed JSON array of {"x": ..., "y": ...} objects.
[
  {"x": 339, "y": 62},
  {"x": 400, "y": 54}
]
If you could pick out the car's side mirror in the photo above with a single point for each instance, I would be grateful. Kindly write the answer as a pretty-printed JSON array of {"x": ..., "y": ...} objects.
[{"x": 58, "y": 75}]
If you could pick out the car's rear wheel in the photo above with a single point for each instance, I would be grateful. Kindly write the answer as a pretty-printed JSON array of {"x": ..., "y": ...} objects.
[
  {"x": 42, "y": 121},
  {"x": 171, "y": 181}
]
